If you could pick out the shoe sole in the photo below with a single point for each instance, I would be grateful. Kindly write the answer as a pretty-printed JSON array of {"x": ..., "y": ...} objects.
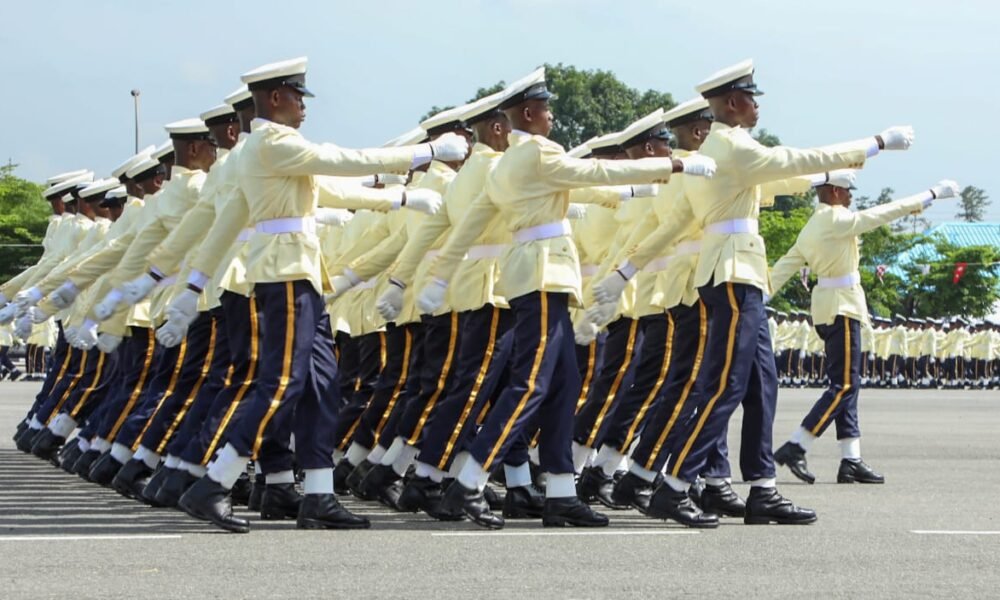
[
  {"x": 861, "y": 481},
  {"x": 560, "y": 522},
  {"x": 277, "y": 515},
  {"x": 315, "y": 524},
  {"x": 769, "y": 520},
  {"x": 197, "y": 515},
  {"x": 691, "y": 525}
]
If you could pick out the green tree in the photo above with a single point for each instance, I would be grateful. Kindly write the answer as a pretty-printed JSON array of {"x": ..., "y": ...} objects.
[
  {"x": 935, "y": 293},
  {"x": 973, "y": 204},
  {"x": 767, "y": 138},
  {"x": 23, "y": 220},
  {"x": 780, "y": 230}
]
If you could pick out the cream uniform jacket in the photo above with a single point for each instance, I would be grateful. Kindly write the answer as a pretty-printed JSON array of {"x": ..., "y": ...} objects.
[
  {"x": 71, "y": 234},
  {"x": 55, "y": 238},
  {"x": 531, "y": 186},
  {"x": 829, "y": 245}
]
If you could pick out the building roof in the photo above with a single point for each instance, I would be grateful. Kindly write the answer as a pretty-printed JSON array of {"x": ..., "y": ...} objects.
[{"x": 956, "y": 232}]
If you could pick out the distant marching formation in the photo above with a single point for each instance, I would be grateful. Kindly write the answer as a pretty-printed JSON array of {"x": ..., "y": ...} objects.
[{"x": 470, "y": 302}]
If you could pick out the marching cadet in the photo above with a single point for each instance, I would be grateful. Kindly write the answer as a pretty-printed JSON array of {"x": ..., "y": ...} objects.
[
  {"x": 540, "y": 277},
  {"x": 881, "y": 344},
  {"x": 828, "y": 244},
  {"x": 897, "y": 351},
  {"x": 6, "y": 342},
  {"x": 295, "y": 388},
  {"x": 738, "y": 365}
]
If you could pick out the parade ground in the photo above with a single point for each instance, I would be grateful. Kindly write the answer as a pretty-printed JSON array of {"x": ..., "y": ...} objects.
[{"x": 932, "y": 530}]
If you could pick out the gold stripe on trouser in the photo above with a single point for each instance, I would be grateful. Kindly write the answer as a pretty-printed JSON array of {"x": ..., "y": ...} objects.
[
  {"x": 90, "y": 389},
  {"x": 206, "y": 367},
  {"x": 354, "y": 426},
  {"x": 695, "y": 368},
  {"x": 445, "y": 370},
  {"x": 240, "y": 393},
  {"x": 137, "y": 390},
  {"x": 407, "y": 345},
  {"x": 730, "y": 348},
  {"x": 65, "y": 365},
  {"x": 170, "y": 390},
  {"x": 474, "y": 393},
  {"x": 847, "y": 379},
  {"x": 536, "y": 365},
  {"x": 286, "y": 367},
  {"x": 626, "y": 361},
  {"x": 664, "y": 368},
  {"x": 588, "y": 376},
  {"x": 69, "y": 389}
]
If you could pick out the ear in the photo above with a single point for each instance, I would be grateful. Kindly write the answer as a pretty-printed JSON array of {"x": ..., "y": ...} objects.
[
  {"x": 647, "y": 148},
  {"x": 526, "y": 113},
  {"x": 274, "y": 97}
]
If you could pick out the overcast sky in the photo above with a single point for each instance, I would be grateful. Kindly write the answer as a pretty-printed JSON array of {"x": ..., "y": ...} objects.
[{"x": 833, "y": 71}]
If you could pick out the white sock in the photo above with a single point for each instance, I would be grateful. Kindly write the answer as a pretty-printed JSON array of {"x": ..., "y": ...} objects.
[
  {"x": 581, "y": 454},
  {"x": 375, "y": 456},
  {"x": 850, "y": 448},
  {"x": 257, "y": 469},
  {"x": 392, "y": 453},
  {"x": 83, "y": 444},
  {"x": 517, "y": 475},
  {"x": 432, "y": 473},
  {"x": 803, "y": 437},
  {"x": 356, "y": 453},
  {"x": 196, "y": 470},
  {"x": 121, "y": 453},
  {"x": 227, "y": 467},
  {"x": 473, "y": 476},
  {"x": 279, "y": 477},
  {"x": 609, "y": 459},
  {"x": 718, "y": 481},
  {"x": 458, "y": 463},
  {"x": 147, "y": 456},
  {"x": 767, "y": 482},
  {"x": 34, "y": 423},
  {"x": 318, "y": 481},
  {"x": 62, "y": 425},
  {"x": 172, "y": 462},
  {"x": 533, "y": 455},
  {"x": 100, "y": 444},
  {"x": 560, "y": 485},
  {"x": 404, "y": 459},
  {"x": 642, "y": 472},
  {"x": 337, "y": 455},
  {"x": 678, "y": 485}
]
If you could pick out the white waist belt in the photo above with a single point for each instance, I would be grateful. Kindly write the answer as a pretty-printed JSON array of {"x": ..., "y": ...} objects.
[
  {"x": 656, "y": 265},
  {"x": 485, "y": 251},
  {"x": 588, "y": 270},
  {"x": 844, "y": 281},
  {"x": 245, "y": 234},
  {"x": 688, "y": 247},
  {"x": 542, "y": 232},
  {"x": 287, "y": 225},
  {"x": 733, "y": 226}
]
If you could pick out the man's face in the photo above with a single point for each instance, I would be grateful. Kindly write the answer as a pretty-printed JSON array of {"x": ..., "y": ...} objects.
[
  {"x": 541, "y": 116},
  {"x": 58, "y": 207},
  {"x": 659, "y": 147},
  {"x": 746, "y": 109},
  {"x": 289, "y": 106}
]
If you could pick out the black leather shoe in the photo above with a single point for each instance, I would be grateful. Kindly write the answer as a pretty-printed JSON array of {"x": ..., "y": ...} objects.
[
  {"x": 379, "y": 484},
  {"x": 723, "y": 501},
  {"x": 21, "y": 428},
  {"x": 560, "y": 512},
  {"x": 357, "y": 476},
  {"x": 147, "y": 495},
  {"x": 69, "y": 455},
  {"x": 131, "y": 478},
  {"x": 523, "y": 502},
  {"x": 27, "y": 439},
  {"x": 323, "y": 511},
  {"x": 177, "y": 482},
  {"x": 209, "y": 501},
  {"x": 632, "y": 490},
  {"x": 766, "y": 505},
  {"x": 104, "y": 469},
  {"x": 492, "y": 498},
  {"x": 594, "y": 484},
  {"x": 280, "y": 501},
  {"x": 340, "y": 474},
  {"x": 793, "y": 456},
  {"x": 256, "y": 493},
  {"x": 858, "y": 471},
  {"x": 425, "y": 494},
  {"x": 83, "y": 464},
  {"x": 458, "y": 498},
  {"x": 46, "y": 444},
  {"x": 240, "y": 493},
  {"x": 668, "y": 503}
]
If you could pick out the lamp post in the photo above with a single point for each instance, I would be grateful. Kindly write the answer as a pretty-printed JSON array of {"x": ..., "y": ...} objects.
[{"x": 135, "y": 103}]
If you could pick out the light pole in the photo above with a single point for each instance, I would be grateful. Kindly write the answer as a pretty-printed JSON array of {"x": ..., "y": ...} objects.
[{"x": 135, "y": 103}]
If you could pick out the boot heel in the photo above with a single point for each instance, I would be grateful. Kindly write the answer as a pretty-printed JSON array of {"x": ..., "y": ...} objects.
[
  {"x": 845, "y": 479},
  {"x": 553, "y": 522},
  {"x": 274, "y": 515},
  {"x": 748, "y": 520}
]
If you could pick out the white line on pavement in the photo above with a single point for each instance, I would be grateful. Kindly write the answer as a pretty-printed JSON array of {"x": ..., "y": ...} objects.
[
  {"x": 561, "y": 533},
  {"x": 951, "y": 532},
  {"x": 74, "y": 538}
]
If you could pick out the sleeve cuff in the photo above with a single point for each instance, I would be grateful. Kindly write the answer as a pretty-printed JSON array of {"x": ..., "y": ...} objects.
[
  {"x": 197, "y": 279},
  {"x": 628, "y": 270},
  {"x": 872, "y": 149},
  {"x": 421, "y": 156}
]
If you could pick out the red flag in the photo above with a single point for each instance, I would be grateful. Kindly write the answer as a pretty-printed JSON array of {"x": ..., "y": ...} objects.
[
  {"x": 880, "y": 271},
  {"x": 959, "y": 271}
]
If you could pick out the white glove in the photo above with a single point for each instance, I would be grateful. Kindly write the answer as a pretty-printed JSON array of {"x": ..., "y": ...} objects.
[
  {"x": 390, "y": 303},
  {"x": 844, "y": 178},
  {"x": 65, "y": 295},
  {"x": 8, "y": 313},
  {"x": 3, "y": 299},
  {"x": 449, "y": 148},
  {"x": 106, "y": 307},
  {"x": 698, "y": 165},
  {"x": 108, "y": 343},
  {"x": 585, "y": 332},
  {"x": 422, "y": 200},
  {"x": 645, "y": 190},
  {"x": 600, "y": 315},
  {"x": 86, "y": 336},
  {"x": 38, "y": 315},
  {"x": 432, "y": 296},
  {"x": 609, "y": 290},
  {"x": 137, "y": 289},
  {"x": 390, "y": 179},
  {"x": 70, "y": 334},
  {"x": 946, "y": 188},
  {"x": 28, "y": 297},
  {"x": 897, "y": 138},
  {"x": 576, "y": 211},
  {"x": 171, "y": 333},
  {"x": 340, "y": 284},
  {"x": 22, "y": 327},
  {"x": 333, "y": 216},
  {"x": 183, "y": 310}
]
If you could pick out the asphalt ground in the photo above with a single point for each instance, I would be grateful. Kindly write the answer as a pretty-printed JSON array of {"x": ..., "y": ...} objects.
[{"x": 933, "y": 530}]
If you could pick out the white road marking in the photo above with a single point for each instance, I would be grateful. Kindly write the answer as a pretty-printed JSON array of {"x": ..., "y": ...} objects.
[
  {"x": 75, "y": 538},
  {"x": 559, "y": 533},
  {"x": 951, "y": 532}
]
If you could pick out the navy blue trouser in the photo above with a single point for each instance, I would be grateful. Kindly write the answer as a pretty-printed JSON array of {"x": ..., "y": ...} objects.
[
  {"x": 5, "y": 361},
  {"x": 98, "y": 381},
  {"x": 617, "y": 368},
  {"x": 737, "y": 368},
  {"x": 588, "y": 361},
  {"x": 543, "y": 385},
  {"x": 389, "y": 421},
  {"x": 296, "y": 390},
  {"x": 372, "y": 357},
  {"x": 348, "y": 363},
  {"x": 169, "y": 362},
  {"x": 60, "y": 361},
  {"x": 482, "y": 358},
  {"x": 839, "y": 403},
  {"x": 399, "y": 342},
  {"x": 138, "y": 355},
  {"x": 47, "y": 409}
]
